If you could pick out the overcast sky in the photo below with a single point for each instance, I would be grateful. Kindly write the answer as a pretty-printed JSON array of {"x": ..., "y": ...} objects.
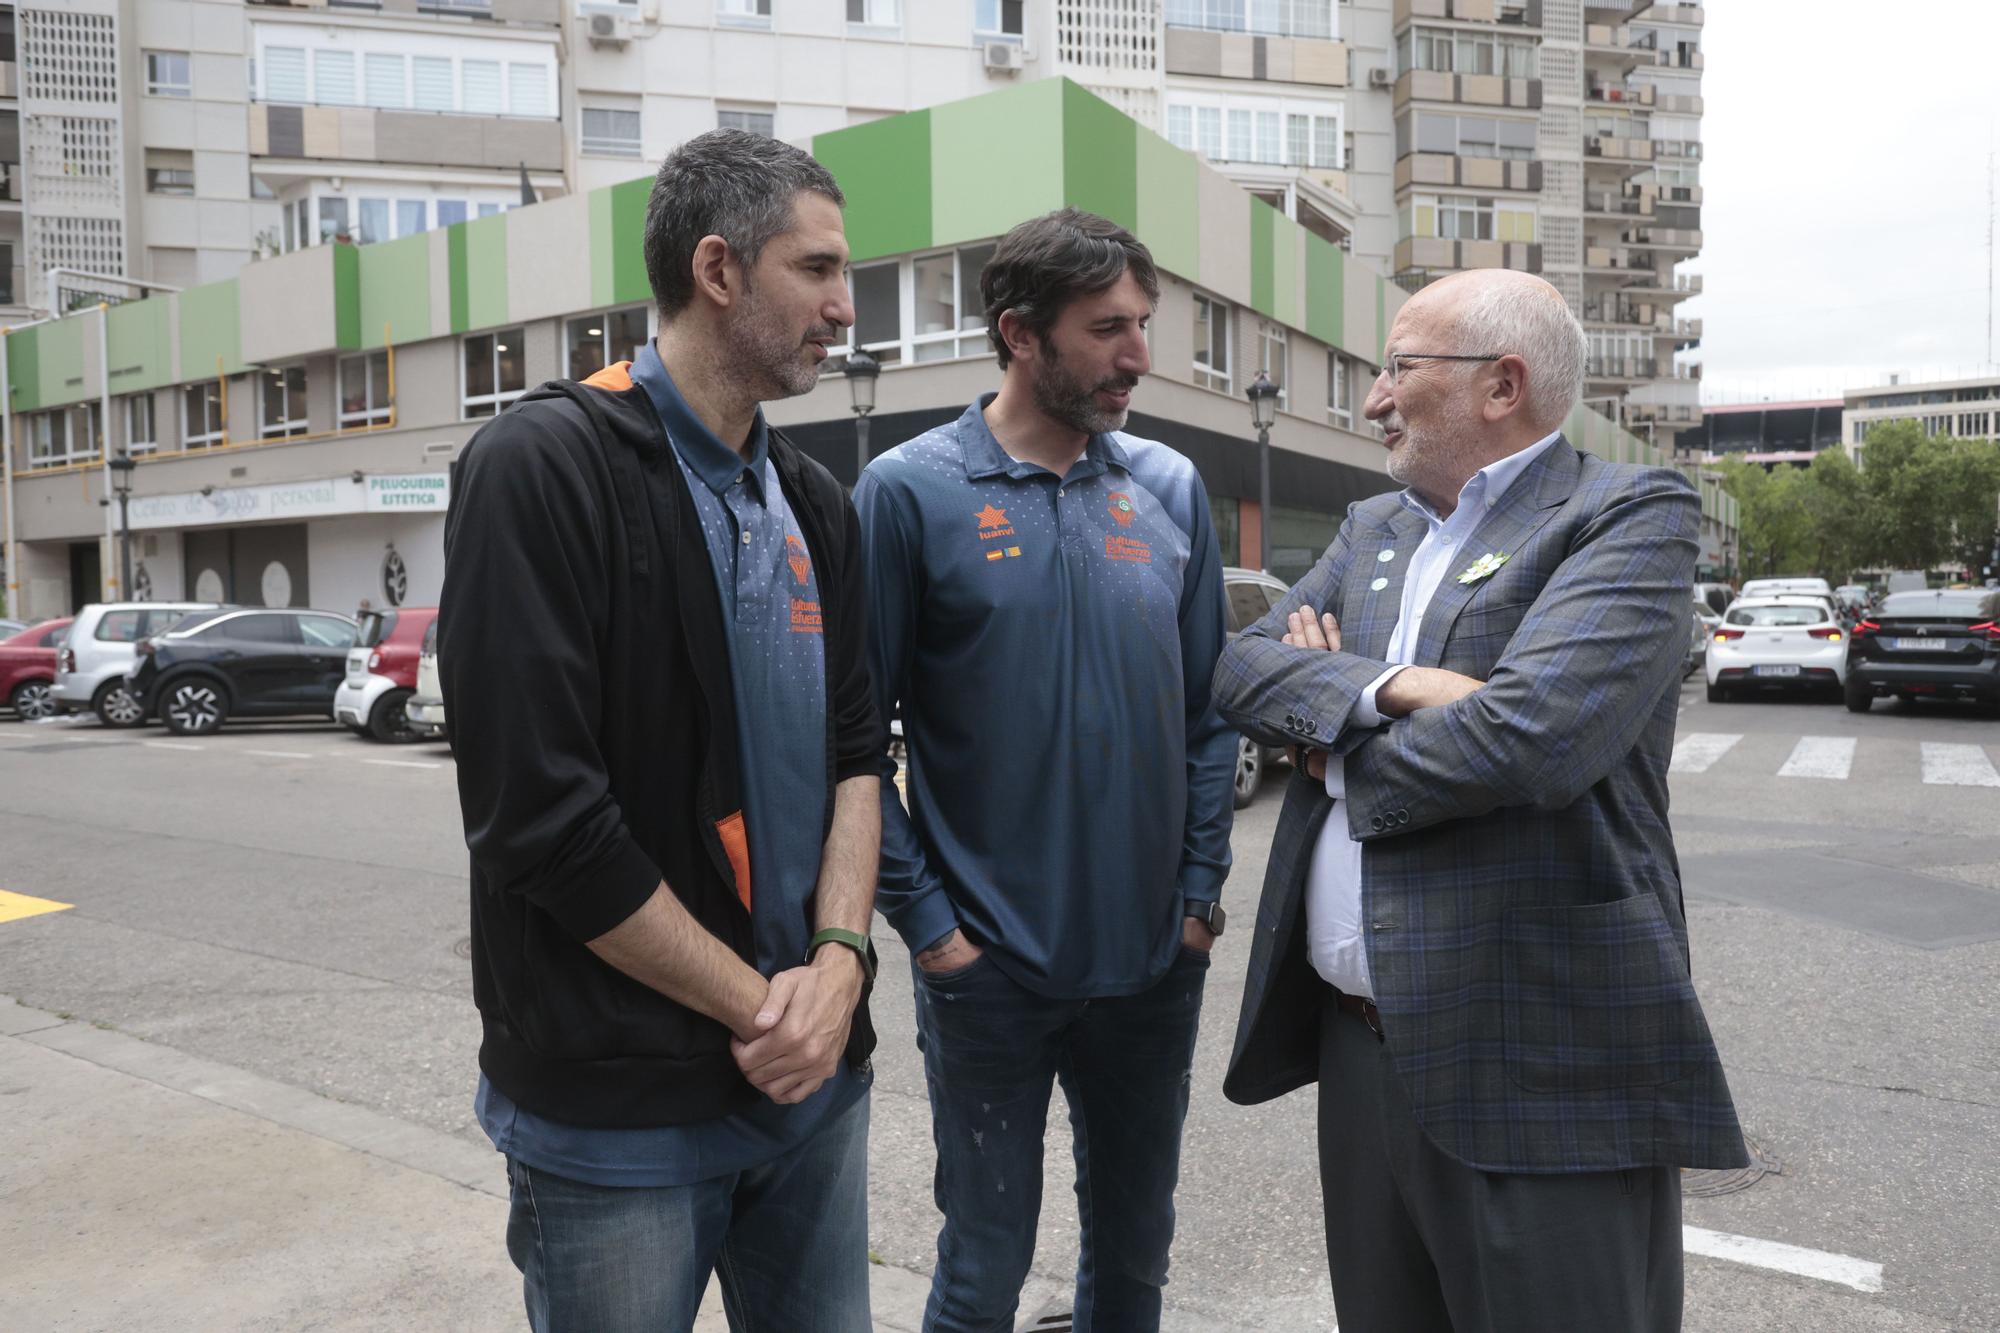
[{"x": 1844, "y": 192}]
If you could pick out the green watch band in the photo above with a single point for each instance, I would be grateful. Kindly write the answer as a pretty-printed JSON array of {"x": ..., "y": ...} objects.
[{"x": 852, "y": 939}]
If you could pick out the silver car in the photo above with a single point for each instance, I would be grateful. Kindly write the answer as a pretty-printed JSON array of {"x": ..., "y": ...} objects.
[{"x": 91, "y": 664}]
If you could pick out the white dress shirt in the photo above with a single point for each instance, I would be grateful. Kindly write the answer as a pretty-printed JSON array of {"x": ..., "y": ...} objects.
[{"x": 1334, "y": 941}]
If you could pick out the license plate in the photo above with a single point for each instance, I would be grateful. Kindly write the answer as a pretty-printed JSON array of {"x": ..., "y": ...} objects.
[
  {"x": 1775, "y": 671},
  {"x": 1921, "y": 645}
]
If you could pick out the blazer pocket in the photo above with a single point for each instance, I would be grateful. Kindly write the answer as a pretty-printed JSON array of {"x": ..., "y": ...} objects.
[{"x": 1596, "y": 997}]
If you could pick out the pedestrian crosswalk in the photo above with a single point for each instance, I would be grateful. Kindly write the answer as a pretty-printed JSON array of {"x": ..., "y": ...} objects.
[{"x": 1836, "y": 758}]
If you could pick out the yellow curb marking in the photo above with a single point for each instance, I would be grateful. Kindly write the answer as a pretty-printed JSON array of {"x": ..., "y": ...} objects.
[{"x": 14, "y": 906}]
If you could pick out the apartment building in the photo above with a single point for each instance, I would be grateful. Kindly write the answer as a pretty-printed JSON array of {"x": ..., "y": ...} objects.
[{"x": 1967, "y": 409}]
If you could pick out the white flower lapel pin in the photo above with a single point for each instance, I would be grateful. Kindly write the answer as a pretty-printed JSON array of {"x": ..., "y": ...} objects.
[{"x": 1483, "y": 567}]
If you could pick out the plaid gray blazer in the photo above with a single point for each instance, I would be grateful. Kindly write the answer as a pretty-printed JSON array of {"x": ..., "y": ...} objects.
[{"x": 1519, "y": 884}]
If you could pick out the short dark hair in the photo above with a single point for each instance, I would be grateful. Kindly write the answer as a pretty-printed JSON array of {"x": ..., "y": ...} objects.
[
  {"x": 1045, "y": 263},
  {"x": 728, "y": 183}
]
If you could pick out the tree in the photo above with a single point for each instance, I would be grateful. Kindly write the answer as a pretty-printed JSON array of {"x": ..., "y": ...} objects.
[{"x": 1931, "y": 499}]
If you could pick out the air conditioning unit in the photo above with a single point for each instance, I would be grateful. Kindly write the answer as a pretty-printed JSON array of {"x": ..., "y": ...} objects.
[
  {"x": 1004, "y": 57},
  {"x": 610, "y": 30},
  {"x": 1378, "y": 78}
]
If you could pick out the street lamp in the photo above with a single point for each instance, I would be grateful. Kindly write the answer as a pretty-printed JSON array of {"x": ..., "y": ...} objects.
[
  {"x": 121, "y": 484},
  {"x": 1263, "y": 410},
  {"x": 861, "y": 371}
]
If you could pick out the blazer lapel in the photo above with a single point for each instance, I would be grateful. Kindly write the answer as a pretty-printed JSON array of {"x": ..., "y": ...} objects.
[
  {"x": 1373, "y": 611},
  {"x": 1526, "y": 506}
]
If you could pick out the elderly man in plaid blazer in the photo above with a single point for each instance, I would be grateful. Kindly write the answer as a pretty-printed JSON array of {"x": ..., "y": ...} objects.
[{"x": 1471, "y": 931}]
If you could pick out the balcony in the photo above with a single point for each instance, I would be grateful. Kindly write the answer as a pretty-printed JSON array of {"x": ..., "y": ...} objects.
[
  {"x": 1677, "y": 150},
  {"x": 1663, "y": 414},
  {"x": 1480, "y": 173},
  {"x": 1238, "y": 55},
  {"x": 1612, "y": 47},
  {"x": 1598, "y": 203},
  {"x": 1612, "y": 308},
  {"x": 10, "y": 79},
  {"x": 1610, "y": 151},
  {"x": 10, "y": 182},
  {"x": 1662, "y": 283},
  {"x": 1686, "y": 15},
  {"x": 1620, "y": 94},
  {"x": 1687, "y": 332},
  {"x": 423, "y": 138},
  {"x": 1434, "y": 257},
  {"x": 1662, "y": 238},
  {"x": 1421, "y": 85},
  {"x": 1621, "y": 369}
]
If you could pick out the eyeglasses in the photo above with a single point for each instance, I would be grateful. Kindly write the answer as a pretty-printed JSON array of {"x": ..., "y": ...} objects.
[{"x": 1396, "y": 361}]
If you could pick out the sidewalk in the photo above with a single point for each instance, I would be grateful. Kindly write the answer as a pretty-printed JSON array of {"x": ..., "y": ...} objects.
[{"x": 144, "y": 1188}]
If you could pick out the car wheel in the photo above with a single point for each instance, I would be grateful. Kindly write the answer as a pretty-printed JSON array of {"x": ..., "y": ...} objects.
[
  {"x": 32, "y": 702},
  {"x": 193, "y": 707},
  {"x": 115, "y": 706},
  {"x": 1718, "y": 694},
  {"x": 389, "y": 721},
  {"x": 1249, "y": 770}
]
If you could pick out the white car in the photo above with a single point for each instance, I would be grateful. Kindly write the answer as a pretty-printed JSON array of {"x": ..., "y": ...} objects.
[
  {"x": 425, "y": 710},
  {"x": 1776, "y": 643},
  {"x": 93, "y": 660},
  {"x": 1787, "y": 586}
]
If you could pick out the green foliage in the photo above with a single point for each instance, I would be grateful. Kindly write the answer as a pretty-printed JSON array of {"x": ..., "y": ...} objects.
[{"x": 1916, "y": 502}]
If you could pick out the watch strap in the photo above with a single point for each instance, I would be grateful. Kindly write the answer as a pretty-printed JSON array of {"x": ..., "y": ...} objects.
[{"x": 851, "y": 939}]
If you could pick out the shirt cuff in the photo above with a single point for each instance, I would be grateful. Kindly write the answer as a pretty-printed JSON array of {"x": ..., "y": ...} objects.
[
  {"x": 1336, "y": 776},
  {"x": 1365, "y": 713},
  {"x": 925, "y": 920}
]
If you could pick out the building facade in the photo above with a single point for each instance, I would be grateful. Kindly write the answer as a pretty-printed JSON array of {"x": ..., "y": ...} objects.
[
  {"x": 293, "y": 425},
  {"x": 1966, "y": 409}
]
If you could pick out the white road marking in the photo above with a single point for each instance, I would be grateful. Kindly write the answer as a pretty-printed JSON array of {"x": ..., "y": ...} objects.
[
  {"x": 170, "y": 745},
  {"x": 280, "y": 754},
  {"x": 399, "y": 763},
  {"x": 1843, "y": 1269},
  {"x": 1830, "y": 757},
  {"x": 1697, "y": 751},
  {"x": 1958, "y": 766}
]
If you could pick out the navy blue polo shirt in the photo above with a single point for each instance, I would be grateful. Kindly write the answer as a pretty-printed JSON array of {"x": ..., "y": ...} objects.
[
  {"x": 1051, "y": 642},
  {"x": 777, "y": 662}
]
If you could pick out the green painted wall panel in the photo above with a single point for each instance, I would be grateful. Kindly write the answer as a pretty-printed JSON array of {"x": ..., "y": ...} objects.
[
  {"x": 628, "y": 242},
  {"x": 24, "y": 369},
  {"x": 884, "y": 169},
  {"x": 1326, "y": 287},
  {"x": 995, "y": 161},
  {"x": 394, "y": 292},
  {"x": 346, "y": 297},
  {"x": 455, "y": 242},
  {"x": 1261, "y": 261},
  {"x": 601, "y": 269},
  {"x": 59, "y": 368},
  {"x": 1100, "y": 146},
  {"x": 139, "y": 339},
  {"x": 1169, "y": 204},
  {"x": 211, "y": 328},
  {"x": 1285, "y": 235},
  {"x": 486, "y": 271}
]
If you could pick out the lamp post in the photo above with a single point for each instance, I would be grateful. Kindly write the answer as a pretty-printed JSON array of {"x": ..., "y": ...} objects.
[
  {"x": 1263, "y": 410},
  {"x": 861, "y": 371},
  {"x": 121, "y": 484}
]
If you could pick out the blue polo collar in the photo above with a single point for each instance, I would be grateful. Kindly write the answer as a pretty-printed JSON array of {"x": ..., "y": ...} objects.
[
  {"x": 985, "y": 458},
  {"x": 718, "y": 465}
]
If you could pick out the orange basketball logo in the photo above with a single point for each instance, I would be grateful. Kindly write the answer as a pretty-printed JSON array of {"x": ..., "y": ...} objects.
[
  {"x": 796, "y": 557},
  {"x": 1122, "y": 509}
]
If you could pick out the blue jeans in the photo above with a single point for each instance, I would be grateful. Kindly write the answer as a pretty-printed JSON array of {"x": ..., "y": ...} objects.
[
  {"x": 788, "y": 1239},
  {"x": 992, "y": 1050}
]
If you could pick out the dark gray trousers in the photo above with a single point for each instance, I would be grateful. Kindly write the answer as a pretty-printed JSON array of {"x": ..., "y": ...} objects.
[{"x": 1418, "y": 1242}]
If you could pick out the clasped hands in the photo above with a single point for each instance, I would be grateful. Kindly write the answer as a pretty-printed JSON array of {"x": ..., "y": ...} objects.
[
  {"x": 1402, "y": 694},
  {"x": 798, "y": 1035}
]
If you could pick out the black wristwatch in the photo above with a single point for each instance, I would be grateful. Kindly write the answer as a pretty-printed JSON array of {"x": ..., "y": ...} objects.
[{"x": 1209, "y": 914}]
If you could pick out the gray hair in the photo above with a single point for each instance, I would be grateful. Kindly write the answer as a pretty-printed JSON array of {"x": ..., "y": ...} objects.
[
  {"x": 728, "y": 183},
  {"x": 1539, "y": 328}
]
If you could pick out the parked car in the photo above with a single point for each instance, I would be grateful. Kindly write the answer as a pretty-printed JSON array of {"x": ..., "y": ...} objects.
[
  {"x": 1250, "y": 596},
  {"x": 241, "y": 662},
  {"x": 425, "y": 710},
  {"x": 1852, "y": 597},
  {"x": 1799, "y": 584},
  {"x": 1934, "y": 645},
  {"x": 1715, "y": 596},
  {"x": 1776, "y": 643},
  {"x": 382, "y": 672},
  {"x": 1697, "y": 649},
  {"x": 96, "y": 654},
  {"x": 9, "y": 628},
  {"x": 28, "y": 668}
]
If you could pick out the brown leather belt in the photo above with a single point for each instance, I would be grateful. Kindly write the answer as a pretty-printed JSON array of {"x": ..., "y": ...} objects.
[{"x": 1362, "y": 1009}]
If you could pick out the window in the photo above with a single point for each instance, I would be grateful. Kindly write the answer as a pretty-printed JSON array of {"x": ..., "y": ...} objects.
[
  {"x": 1272, "y": 358},
  {"x": 1211, "y": 343},
  {"x": 167, "y": 74},
  {"x": 1239, "y": 135},
  {"x": 1452, "y": 52},
  {"x": 450, "y": 211},
  {"x": 610, "y": 133},
  {"x": 284, "y": 402},
  {"x": 256, "y": 629},
  {"x": 1208, "y": 131},
  {"x": 752, "y": 11},
  {"x": 527, "y": 89},
  {"x": 364, "y": 390},
  {"x": 593, "y": 342},
  {"x": 878, "y": 311},
  {"x": 1180, "y": 125},
  {"x": 1465, "y": 136},
  {"x": 489, "y": 210},
  {"x": 333, "y": 78},
  {"x": 756, "y": 122},
  {"x": 386, "y": 79},
  {"x": 496, "y": 372},
  {"x": 201, "y": 415},
  {"x": 374, "y": 221},
  {"x": 997, "y": 17},
  {"x": 1280, "y": 133},
  {"x": 285, "y": 73},
  {"x": 142, "y": 434},
  {"x": 430, "y": 83},
  {"x": 1340, "y": 389},
  {"x": 325, "y": 632},
  {"x": 481, "y": 87},
  {"x": 1268, "y": 18},
  {"x": 333, "y": 220},
  {"x": 875, "y": 13},
  {"x": 410, "y": 216},
  {"x": 170, "y": 180}
]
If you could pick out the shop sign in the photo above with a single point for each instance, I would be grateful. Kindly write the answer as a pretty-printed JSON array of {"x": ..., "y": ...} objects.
[{"x": 415, "y": 492}]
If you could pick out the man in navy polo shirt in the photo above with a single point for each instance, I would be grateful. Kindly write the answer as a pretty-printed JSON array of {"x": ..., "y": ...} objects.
[{"x": 1046, "y": 605}]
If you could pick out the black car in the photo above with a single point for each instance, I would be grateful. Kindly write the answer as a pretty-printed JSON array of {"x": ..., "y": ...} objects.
[
  {"x": 241, "y": 662},
  {"x": 1251, "y": 595},
  {"x": 1931, "y": 645}
]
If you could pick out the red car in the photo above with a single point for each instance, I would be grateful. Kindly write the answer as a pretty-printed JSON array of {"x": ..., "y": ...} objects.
[
  {"x": 382, "y": 672},
  {"x": 28, "y": 668}
]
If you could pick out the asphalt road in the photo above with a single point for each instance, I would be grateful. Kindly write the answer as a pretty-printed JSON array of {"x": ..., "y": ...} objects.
[{"x": 290, "y": 900}]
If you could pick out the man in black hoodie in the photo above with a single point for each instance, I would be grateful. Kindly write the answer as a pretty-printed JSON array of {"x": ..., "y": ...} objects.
[{"x": 651, "y": 634}]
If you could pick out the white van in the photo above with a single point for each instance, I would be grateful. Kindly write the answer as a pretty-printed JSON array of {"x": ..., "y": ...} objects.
[
  {"x": 1788, "y": 587},
  {"x": 91, "y": 664}
]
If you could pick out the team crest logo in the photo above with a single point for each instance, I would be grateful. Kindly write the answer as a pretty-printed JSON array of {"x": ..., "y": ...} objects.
[
  {"x": 796, "y": 557},
  {"x": 1122, "y": 509}
]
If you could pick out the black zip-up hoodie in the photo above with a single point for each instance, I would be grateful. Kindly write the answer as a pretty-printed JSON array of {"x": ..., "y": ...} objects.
[{"x": 582, "y": 655}]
